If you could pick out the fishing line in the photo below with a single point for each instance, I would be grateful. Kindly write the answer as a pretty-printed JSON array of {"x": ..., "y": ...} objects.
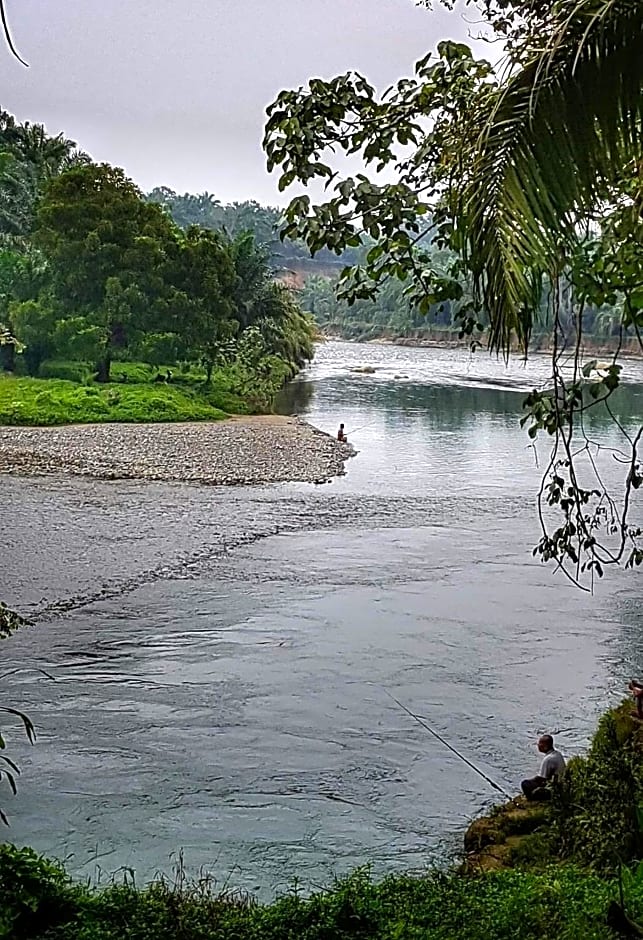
[{"x": 457, "y": 753}]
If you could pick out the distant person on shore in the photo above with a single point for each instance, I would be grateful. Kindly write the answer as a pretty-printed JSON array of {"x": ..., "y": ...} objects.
[
  {"x": 341, "y": 435},
  {"x": 636, "y": 688},
  {"x": 552, "y": 768}
]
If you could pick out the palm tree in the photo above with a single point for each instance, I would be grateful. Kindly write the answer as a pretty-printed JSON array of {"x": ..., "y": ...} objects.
[
  {"x": 253, "y": 278},
  {"x": 19, "y": 186},
  {"x": 48, "y": 154},
  {"x": 559, "y": 136},
  {"x": 562, "y": 141}
]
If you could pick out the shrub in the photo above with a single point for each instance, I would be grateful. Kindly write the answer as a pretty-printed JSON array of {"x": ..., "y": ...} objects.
[
  {"x": 80, "y": 372},
  {"x": 41, "y": 903},
  {"x": 37, "y": 894},
  {"x": 596, "y": 813}
]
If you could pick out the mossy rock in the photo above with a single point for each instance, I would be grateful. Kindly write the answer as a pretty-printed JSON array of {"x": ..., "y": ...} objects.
[
  {"x": 480, "y": 833},
  {"x": 626, "y": 726},
  {"x": 509, "y": 836},
  {"x": 532, "y": 850},
  {"x": 517, "y": 817},
  {"x": 521, "y": 817},
  {"x": 491, "y": 858}
]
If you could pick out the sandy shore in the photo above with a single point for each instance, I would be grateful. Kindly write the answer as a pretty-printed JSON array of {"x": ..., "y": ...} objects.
[{"x": 267, "y": 449}]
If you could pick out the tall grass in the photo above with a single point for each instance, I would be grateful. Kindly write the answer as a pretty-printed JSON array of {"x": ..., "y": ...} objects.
[{"x": 40, "y": 902}]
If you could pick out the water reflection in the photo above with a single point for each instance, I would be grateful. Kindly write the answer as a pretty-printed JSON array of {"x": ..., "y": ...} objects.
[
  {"x": 452, "y": 405},
  {"x": 295, "y": 398},
  {"x": 464, "y": 436}
]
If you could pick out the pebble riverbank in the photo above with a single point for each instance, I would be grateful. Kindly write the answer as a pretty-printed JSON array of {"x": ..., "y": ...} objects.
[{"x": 261, "y": 449}]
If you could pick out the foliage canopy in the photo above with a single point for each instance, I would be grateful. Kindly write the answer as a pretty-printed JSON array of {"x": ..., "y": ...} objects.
[{"x": 530, "y": 177}]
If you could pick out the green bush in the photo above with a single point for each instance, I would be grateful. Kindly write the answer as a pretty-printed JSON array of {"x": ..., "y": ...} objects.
[
  {"x": 80, "y": 372},
  {"x": 596, "y": 813},
  {"x": 134, "y": 371},
  {"x": 41, "y": 903},
  {"x": 37, "y": 895}
]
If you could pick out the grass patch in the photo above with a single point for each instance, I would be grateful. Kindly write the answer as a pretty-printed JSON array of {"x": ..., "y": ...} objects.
[
  {"x": 67, "y": 394},
  {"x": 43, "y": 402},
  {"x": 40, "y": 902}
]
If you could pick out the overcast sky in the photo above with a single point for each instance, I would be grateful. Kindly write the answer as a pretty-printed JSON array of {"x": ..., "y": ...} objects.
[{"x": 174, "y": 91}]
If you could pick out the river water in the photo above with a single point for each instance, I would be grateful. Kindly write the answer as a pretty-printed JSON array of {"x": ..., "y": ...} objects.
[{"x": 216, "y": 662}]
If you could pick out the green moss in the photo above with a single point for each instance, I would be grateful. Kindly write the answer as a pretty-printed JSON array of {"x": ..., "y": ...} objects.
[
  {"x": 512, "y": 834},
  {"x": 532, "y": 850}
]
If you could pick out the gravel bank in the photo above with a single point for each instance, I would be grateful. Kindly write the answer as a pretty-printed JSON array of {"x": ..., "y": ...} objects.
[{"x": 268, "y": 449}]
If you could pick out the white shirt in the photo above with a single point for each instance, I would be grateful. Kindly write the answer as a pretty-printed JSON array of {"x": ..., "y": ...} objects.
[{"x": 553, "y": 765}]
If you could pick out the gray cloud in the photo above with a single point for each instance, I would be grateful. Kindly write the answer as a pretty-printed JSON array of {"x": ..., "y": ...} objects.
[{"x": 175, "y": 92}]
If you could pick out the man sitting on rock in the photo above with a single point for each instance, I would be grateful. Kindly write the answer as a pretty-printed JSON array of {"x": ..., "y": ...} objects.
[{"x": 551, "y": 768}]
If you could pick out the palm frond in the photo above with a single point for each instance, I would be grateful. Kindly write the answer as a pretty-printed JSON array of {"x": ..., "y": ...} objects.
[{"x": 562, "y": 130}]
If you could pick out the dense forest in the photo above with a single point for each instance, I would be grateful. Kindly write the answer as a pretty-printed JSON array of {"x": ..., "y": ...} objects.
[
  {"x": 235, "y": 218},
  {"x": 393, "y": 313},
  {"x": 93, "y": 274}
]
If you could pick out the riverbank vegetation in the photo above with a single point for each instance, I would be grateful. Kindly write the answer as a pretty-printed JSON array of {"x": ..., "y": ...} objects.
[
  {"x": 67, "y": 392},
  {"x": 94, "y": 278},
  {"x": 392, "y": 315},
  {"x": 568, "y": 873},
  {"x": 593, "y": 820},
  {"x": 42, "y": 402},
  {"x": 42, "y": 903}
]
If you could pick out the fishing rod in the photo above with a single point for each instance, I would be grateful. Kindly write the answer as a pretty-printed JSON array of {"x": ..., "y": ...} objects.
[{"x": 457, "y": 753}]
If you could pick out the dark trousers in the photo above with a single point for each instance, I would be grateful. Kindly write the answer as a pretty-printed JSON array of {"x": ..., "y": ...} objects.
[{"x": 535, "y": 789}]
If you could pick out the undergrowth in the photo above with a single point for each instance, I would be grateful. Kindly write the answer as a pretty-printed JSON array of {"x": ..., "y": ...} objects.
[
  {"x": 40, "y": 902},
  {"x": 597, "y": 814}
]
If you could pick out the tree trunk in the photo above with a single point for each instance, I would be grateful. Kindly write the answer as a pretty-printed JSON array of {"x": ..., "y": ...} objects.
[
  {"x": 103, "y": 367},
  {"x": 618, "y": 920},
  {"x": 208, "y": 373},
  {"x": 8, "y": 357}
]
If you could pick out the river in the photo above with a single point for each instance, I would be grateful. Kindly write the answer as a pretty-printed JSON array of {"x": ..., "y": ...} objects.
[{"x": 210, "y": 667}]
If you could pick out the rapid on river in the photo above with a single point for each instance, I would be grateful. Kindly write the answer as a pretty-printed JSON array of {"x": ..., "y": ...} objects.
[{"x": 210, "y": 666}]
